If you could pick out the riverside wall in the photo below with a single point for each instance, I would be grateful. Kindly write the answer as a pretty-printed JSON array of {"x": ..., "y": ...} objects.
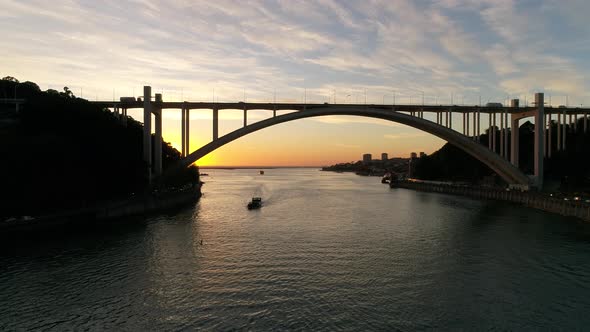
[
  {"x": 536, "y": 200},
  {"x": 112, "y": 210}
]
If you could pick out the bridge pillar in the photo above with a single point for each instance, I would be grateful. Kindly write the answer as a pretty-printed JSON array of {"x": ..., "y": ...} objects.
[
  {"x": 494, "y": 129},
  {"x": 585, "y": 122},
  {"x": 467, "y": 123},
  {"x": 539, "y": 137},
  {"x": 245, "y": 117},
  {"x": 183, "y": 131},
  {"x": 563, "y": 132},
  {"x": 451, "y": 119},
  {"x": 549, "y": 135},
  {"x": 464, "y": 127},
  {"x": 506, "y": 144},
  {"x": 576, "y": 122},
  {"x": 187, "y": 133},
  {"x": 515, "y": 138},
  {"x": 215, "y": 123},
  {"x": 147, "y": 127},
  {"x": 502, "y": 152},
  {"x": 490, "y": 131},
  {"x": 558, "y": 131},
  {"x": 158, "y": 135},
  {"x": 478, "y": 123}
]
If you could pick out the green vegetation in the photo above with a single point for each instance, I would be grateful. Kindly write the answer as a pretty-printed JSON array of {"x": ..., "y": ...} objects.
[
  {"x": 567, "y": 170},
  {"x": 61, "y": 152}
]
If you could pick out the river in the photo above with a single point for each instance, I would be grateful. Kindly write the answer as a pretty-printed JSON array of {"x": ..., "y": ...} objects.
[{"x": 327, "y": 251}]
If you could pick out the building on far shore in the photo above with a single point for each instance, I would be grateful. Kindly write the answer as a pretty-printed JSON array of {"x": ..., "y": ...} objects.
[
  {"x": 367, "y": 158},
  {"x": 413, "y": 155},
  {"x": 384, "y": 156},
  {"x": 422, "y": 154}
]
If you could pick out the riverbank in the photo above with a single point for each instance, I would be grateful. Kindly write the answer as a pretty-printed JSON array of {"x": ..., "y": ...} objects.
[
  {"x": 145, "y": 204},
  {"x": 536, "y": 200}
]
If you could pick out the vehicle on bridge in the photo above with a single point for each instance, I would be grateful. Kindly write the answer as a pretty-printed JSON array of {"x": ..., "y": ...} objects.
[
  {"x": 256, "y": 203},
  {"x": 494, "y": 105},
  {"x": 127, "y": 99}
]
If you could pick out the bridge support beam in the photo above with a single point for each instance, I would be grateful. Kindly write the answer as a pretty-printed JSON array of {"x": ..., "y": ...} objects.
[
  {"x": 147, "y": 128},
  {"x": 183, "y": 131},
  {"x": 490, "y": 131},
  {"x": 558, "y": 131},
  {"x": 158, "y": 136},
  {"x": 506, "y": 144},
  {"x": 494, "y": 130},
  {"x": 215, "y": 123},
  {"x": 539, "y": 137},
  {"x": 478, "y": 113},
  {"x": 564, "y": 132},
  {"x": 549, "y": 135},
  {"x": 187, "y": 129},
  {"x": 467, "y": 124},
  {"x": 515, "y": 136},
  {"x": 245, "y": 117},
  {"x": 502, "y": 152}
]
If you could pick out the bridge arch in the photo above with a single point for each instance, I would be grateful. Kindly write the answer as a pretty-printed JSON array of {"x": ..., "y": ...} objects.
[{"x": 501, "y": 166}]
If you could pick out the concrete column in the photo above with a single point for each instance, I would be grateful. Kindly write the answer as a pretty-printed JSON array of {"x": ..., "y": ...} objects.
[
  {"x": 558, "y": 131},
  {"x": 464, "y": 126},
  {"x": 188, "y": 131},
  {"x": 585, "y": 122},
  {"x": 564, "y": 132},
  {"x": 474, "y": 125},
  {"x": 570, "y": 122},
  {"x": 158, "y": 143},
  {"x": 549, "y": 139},
  {"x": 467, "y": 123},
  {"x": 215, "y": 123},
  {"x": 494, "y": 132},
  {"x": 147, "y": 126},
  {"x": 478, "y": 123},
  {"x": 490, "y": 131},
  {"x": 245, "y": 117},
  {"x": 515, "y": 138},
  {"x": 539, "y": 139},
  {"x": 274, "y": 113},
  {"x": 183, "y": 131},
  {"x": 506, "y": 134},
  {"x": 576, "y": 122},
  {"x": 546, "y": 129},
  {"x": 451, "y": 119},
  {"x": 502, "y": 134},
  {"x": 158, "y": 135}
]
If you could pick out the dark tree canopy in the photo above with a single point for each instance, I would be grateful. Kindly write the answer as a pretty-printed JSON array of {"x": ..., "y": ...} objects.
[{"x": 60, "y": 152}]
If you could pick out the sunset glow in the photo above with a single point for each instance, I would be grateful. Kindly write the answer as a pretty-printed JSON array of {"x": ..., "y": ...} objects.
[{"x": 469, "y": 52}]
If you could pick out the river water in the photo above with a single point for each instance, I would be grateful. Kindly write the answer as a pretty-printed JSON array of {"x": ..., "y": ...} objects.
[{"x": 327, "y": 251}]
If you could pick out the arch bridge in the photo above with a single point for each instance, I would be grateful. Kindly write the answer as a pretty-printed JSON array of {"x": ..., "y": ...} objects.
[{"x": 495, "y": 155}]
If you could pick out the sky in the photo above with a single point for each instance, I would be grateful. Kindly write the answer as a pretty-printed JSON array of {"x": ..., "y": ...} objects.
[{"x": 402, "y": 51}]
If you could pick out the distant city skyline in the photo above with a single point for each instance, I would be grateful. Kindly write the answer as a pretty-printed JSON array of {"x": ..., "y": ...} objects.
[{"x": 440, "y": 51}]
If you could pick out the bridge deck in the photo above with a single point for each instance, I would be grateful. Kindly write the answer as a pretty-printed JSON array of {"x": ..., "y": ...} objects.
[{"x": 301, "y": 107}]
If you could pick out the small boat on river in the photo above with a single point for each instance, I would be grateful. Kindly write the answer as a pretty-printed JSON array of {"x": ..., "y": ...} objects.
[{"x": 256, "y": 203}]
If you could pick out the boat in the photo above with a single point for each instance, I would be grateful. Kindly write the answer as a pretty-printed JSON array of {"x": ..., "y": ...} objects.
[
  {"x": 256, "y": 203},
  {"x": 261, "y": 172}
]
